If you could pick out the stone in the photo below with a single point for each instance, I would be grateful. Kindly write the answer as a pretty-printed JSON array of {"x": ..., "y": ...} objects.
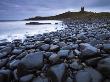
[
  {"x": 26, "y": 78},
  {"x": 106, "y": 47},
  {"x": 3, "y": 62},
  {"x": 57, "y": 72},
  {"x": 75, "y": 65},
  {"x": 54, "y": 47},
  {"x": 17, "y": 51},
  {"x": 13, "y": 64},
  {"x": 63, "y": 53},
  {"x": 33, "y": 60},
  {"x": 45, "y": 47},
  {"x": 83, "y": 76},
  {"x": 95, "y": 75},
  {"x": 104, "y": 67},
  {"x": 5, "y": 51},
  {"x": 40, "y": 79},
  {"x": 54, "y": 57}
]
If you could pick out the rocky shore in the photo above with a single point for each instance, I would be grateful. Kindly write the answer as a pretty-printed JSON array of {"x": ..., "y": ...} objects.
[{"x": 79, "y": 53}]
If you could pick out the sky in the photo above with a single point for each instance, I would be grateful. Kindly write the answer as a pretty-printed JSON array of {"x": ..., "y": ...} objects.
[{"x": 21, "y": 9}]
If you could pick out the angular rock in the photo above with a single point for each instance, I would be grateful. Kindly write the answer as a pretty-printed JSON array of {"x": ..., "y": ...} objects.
[{"x": 33, "y": 60}]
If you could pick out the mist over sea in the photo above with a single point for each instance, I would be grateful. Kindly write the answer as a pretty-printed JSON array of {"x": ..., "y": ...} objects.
[{"x": 10, "y": 30}]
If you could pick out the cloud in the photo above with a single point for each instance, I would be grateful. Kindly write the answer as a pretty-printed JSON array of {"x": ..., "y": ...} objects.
[{"x": 20, "y": 9}]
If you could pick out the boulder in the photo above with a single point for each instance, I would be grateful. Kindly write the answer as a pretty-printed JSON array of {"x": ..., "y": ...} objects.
[
  {"x": 40, "y": 79},
  {"x": 54, "y": 47},
  {"x": 57, "y": 72},
  {"x": 26, "y": 78},
  {"x": 63, "y": 53},
  {"x": 83, "y": 76},
  {"x": 95, "y": 75},
  {"x": 33, "y": 60},
  {"x": 5, "y": 51},
  {"x": 104, "y": 67},
  {"x": 45, "y": 47},
  {"x": 54, "y": 57}
]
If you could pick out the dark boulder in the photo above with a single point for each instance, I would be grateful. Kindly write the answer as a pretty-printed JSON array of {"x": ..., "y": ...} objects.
[
  {"x": 57, "y": 72},
  {"x": 63, "y": 53},
  {"x": 26, "y": 78},
  {"x": 40, "y": 79},
  {"x": 104, "y": 67},
  {"x": 45, "y": 47},
  {"x": 33, "y": 60}
]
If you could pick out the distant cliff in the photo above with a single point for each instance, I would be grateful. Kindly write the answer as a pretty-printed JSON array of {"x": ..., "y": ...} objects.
[{"x": 73, "y": 15}]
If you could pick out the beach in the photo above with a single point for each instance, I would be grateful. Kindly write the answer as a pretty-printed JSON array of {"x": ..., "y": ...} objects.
[{"x": 79, "y": 52}]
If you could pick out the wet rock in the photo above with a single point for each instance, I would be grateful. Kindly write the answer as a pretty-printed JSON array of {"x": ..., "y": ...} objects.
[
  {"x": 5, "y": 51},
  {"x": 54, "y": 47},
  {"x": 21, "y": 55},
  {"x": 33, "y": 60},
  {"x": 13, "y": 64},
  {"x": 5, "y": 76},
  {"x": 75, "y": 65},
  {"x": 26, "y": 78},
  {"x": 63, "y": 53},
  {"x": 71, "y": 55},
  {"x": 95, "y": 75},
  {"x": 3, "y": 62},
  {"x": 45, "y": 47},
  {"x": 57, "y": 72},
  {"x": 47, "y": 40},
  {"x": 83, "y": 76},
  {"x": 88, "y": 50},
  {"x": 54, "y": 57},
  {"x": 40, "y": 79},
  {"x": 106, "y": 47},
  {"x": 104, "y": 67},
  {"x": 69, "y": 80},
  {"x": 17, "y": 51}
]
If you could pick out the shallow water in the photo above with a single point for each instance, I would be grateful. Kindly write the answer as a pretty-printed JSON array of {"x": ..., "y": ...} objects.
[{"x": 10, "y": 30}]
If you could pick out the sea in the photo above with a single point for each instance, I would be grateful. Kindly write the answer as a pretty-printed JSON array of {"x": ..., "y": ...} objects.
[{"x": 10, "y": 30}]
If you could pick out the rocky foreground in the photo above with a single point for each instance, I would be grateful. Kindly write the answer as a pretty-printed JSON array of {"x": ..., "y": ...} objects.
[{"x": 79, "y": 53}]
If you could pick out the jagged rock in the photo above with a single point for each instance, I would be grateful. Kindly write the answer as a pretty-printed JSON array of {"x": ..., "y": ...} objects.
[
  {"x": 26, "y": 78},
  {"x": 57, "y": 72},
  {"x": 33, "y": 60}
]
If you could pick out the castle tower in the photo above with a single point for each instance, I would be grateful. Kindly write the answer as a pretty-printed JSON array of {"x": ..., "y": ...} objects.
[{"x": 82, "y": 9}]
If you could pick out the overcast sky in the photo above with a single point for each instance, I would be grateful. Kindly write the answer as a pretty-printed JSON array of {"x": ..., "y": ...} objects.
[{"x": 21, "y": 9}]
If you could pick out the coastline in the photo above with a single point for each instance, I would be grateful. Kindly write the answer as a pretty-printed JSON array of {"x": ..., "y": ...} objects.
[{"x": 61, "y": 56}]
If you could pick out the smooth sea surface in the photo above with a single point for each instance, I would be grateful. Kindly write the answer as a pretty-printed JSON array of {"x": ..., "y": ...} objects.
[{"x": 10, "y": 30}]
